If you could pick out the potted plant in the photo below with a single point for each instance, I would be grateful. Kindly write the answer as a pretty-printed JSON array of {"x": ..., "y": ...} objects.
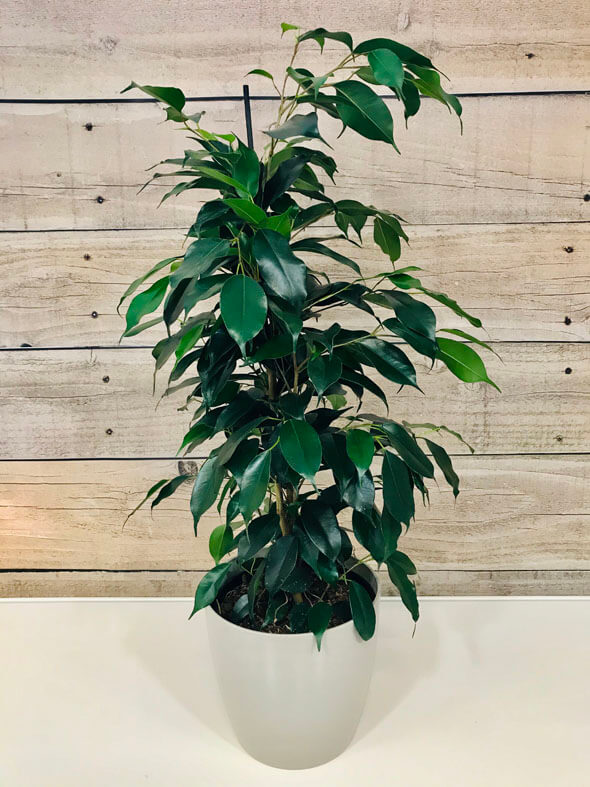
[{"x": 297, "y": 469}]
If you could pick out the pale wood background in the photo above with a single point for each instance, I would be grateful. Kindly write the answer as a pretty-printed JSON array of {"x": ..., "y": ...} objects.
[{"x": 498, "y": 218}]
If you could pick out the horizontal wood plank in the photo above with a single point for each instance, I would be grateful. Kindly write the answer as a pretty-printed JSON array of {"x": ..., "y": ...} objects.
[
  {"x": 87, "y": 403},
  {"x": 96, "y": 50},
  {"x": 520, "y": 159},
  {"x": 68, "y": 584},
  {"x": 513, "y": 514},
  {"x": 523, "y": 281}
]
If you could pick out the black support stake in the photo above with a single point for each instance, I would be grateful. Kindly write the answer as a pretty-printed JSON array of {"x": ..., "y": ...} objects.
[{"x": 248, "y": 114}]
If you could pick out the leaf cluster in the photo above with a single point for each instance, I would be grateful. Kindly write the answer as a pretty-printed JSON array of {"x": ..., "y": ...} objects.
[{"x": 298, "y": 468}]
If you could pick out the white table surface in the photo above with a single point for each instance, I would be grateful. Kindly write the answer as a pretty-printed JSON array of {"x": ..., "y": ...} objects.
[{"x": 118, "y": 693}]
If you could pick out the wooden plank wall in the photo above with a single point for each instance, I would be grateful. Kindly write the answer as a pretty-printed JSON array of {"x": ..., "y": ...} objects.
[{"x": 498, "y": 217}]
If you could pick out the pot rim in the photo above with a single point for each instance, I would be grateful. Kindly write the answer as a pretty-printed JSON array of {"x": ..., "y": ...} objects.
[{"x": 374, "y": 576}]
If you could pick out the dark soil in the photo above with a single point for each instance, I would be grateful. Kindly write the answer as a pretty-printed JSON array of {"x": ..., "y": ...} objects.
[{"x": 336, "y": 595}]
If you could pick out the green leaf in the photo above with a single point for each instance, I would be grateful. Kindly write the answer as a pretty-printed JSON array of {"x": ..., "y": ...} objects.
[
  {"x": 418, "y": 341},
  {"x": 254, "y": 484},
  {"x": 320, "y": 34},
  {"x": 463, "y": 362},
  {"x": 169, "y": 95},
  {"x": 206, "y": 488},
  {"x": 200, "y": 259},
  {"x": 246, "y": 169},
  {"x": 242, "y": 456},
  {"x": 210, "y": 586},
  {"x": 406, "y": 587},
  {"x": 301, "y": 447},
  {"x": 387, "y": 238},
  {"x": 360, "y": 448},
  {"x": 314, "y": 246},
  {"x": 256, "y": 536},
  {"x": 428, "y": 83},
  {"x": 407, "y": 447},
  {"x": 470, "y": 338},
  {"x": 443, "y": 460},
  {"x": 280, "y": 562},
  {"x": 323, "y": 372},
  {"x": 369, "y": 533},
  {"x": 146, "y": 302},
  {"x": 285, "y": 26},
  {"x": 297, "y": 126},
  {"x": 298, "y": 617},
  {"x": 261, "y": 73},
  {"x": 243, "y": 308},
  {"x": 405, "y": 54},
  {"x": 138, "y": 282},
  {"x": 246, "y": 210},
  {"x": 388, "y": 359},
  {"x": 277, "y": 347},
  {"x": 362, "y": 609},
  {"x": 318, "y": 620},
  {"x": 398, "y": 496},
  {"x": 364, "y": 111},
  {"x": 220, "y": 542},
  {"x": 253, "y": 587},
  {"x": 284, "y": 274},
  {"x": 143, "y": 327},
  {"x": 387, "y": 68},
  {"x": 321, "y": 526}
]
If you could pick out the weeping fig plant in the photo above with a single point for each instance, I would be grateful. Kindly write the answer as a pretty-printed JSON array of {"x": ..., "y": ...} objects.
[{"x": 296, "y": 467}]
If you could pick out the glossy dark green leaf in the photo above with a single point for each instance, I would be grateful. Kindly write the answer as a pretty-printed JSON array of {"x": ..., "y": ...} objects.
[
  {"x": 362, "y": 609},
  {"x": 428, "y": 83},
  {"x": 407, "y": 447},
  {"x": 206, "y": 488},
  {"x": 364, "y": 111},
  {"x": 297, "y": 126},
  {"x": 411, "y": 97},
  {"x": 227, "y": 450},
  {"x": 200, "y": 259},
  {"x": 463, "y": 362},
  {"x": 280, "y": 562},
  {"x": 398, "y": 496},
  {"x": 210, "y": 586},
  {"x": 387, "y": 68},
  {"x": 298, "y": 618},
  {"x": 291, "y": 322},
  {"x": 301, "y": 447},
  {"x": 418, "y": 341},
  {"x": 404, "y": 53},
  {"x": 168, "y": 489},
  {"x": 256, "y": 536},
  {"x": 240, "y": 609},
  {"x": 359, "y": 491},
  {"x": 323, "y": 371},
  {"x": 254, "y": 586},
  {"x": 246, "y": 210},
  {"x": 314, "y": 246},
  {"x": 368, "y": 532},
  {"x": 254, "y": 484},
  {"x": 406, "y": 587},
  {"x": 139, "y": 281},
  {"x": 386, "y": 238},
  {"x": 443, "y": 460},
  {"x": 243, "y": 308},
  {"x": 246, "y": 169},
  {"x": 220, "y": 541},
  {"x": 146, "y": 302},
  {"x": 389, "y": 361},
  {"x": 318, "y": 619},
  {"x": 320, "y": 34},
  {"x": 283, "y": 273},
  {"x": 321, "y": 526},
  {"x": 360, "y": 448},
  {"x": 169, "y": 95},
  {"x": 277, "y": 347}
]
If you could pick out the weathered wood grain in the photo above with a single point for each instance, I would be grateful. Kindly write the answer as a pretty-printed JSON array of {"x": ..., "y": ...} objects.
[
  {"x": 66, "y": 52},
  {"x": 522, "y": 280},
  {"x": 68, "y": 584},
  {"x": 520, "y": 159},
  {"x": 513, "y": 514},
  {"x": 86, "y": 403}
]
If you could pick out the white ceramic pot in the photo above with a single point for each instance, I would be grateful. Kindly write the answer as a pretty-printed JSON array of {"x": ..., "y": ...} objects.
[{"x": 290, "y": 706}]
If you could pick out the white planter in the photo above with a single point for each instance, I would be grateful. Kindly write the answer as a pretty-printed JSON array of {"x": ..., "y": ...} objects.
[{"x": 290, "y": 706}]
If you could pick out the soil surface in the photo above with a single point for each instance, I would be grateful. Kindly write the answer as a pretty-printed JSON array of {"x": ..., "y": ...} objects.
[{"x": 336, "y": 595}]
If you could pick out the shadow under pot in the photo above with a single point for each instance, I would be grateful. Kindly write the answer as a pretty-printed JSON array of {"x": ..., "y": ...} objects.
[{"x": 291, "y": 706}]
